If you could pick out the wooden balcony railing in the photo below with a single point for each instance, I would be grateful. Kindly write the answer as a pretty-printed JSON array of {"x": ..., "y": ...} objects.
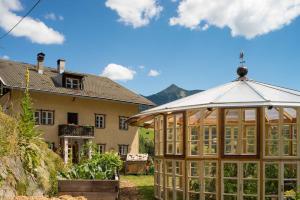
[{"x": 75, "y": 130}]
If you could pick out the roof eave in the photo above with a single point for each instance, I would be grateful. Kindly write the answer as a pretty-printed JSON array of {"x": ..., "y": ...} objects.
[
  {"x": 79, "y": 96},
  {"x": 151, "y": 113}
]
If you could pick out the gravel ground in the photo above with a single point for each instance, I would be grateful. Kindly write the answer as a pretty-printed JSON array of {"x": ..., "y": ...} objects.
[
  {"x": 64, "y": 197},
  {"x": 128, "y": 191}
]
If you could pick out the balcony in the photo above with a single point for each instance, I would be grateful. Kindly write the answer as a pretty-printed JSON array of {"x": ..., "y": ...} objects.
[{"x": 65, "y": 130}]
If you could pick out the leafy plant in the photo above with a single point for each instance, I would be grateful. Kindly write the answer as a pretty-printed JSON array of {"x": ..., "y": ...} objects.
[
  {"x": 291, "y": 194},
  {"x": 100, "y": 166}
]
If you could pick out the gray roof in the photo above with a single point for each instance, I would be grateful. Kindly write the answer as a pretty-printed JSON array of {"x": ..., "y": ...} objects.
[{"x": 12, "y": 75}]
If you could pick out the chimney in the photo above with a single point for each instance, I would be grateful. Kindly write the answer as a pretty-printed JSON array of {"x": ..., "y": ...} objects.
[
  {"x": 61, "y": 65},
  {"x": 40, "y": 62}
]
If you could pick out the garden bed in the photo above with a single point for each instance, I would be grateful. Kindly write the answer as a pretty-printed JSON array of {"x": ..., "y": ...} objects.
[{"x": 90, "y": 189}]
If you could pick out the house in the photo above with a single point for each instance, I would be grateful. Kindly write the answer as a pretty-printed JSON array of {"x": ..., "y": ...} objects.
[
  {"x": 239, "y": 140},
  {"x": 71, "y": 108}
]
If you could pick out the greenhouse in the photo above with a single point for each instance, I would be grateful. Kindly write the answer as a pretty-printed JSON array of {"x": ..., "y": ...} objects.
[{"x": 236, "y": 141}]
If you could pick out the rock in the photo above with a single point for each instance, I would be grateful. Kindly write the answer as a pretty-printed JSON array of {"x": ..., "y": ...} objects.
[{"x": 7, "y": 192}]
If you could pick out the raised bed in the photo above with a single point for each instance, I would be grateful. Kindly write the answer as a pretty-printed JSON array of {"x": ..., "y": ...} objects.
[{"x": 90, "y": 189}]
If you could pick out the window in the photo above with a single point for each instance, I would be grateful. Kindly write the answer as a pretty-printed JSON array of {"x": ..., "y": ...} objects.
[
  {"x": 280, "y": 177},
  {"x": 205, "y": 122},
  {"x": 99, "y": 121},
  {"x": 73, "y": 83},
  {"x": 240, "y": 180},
  {"x": 123, "y": 149},
  {"x": 101, "y": 148},
  {"x": 240, "y": 136},
  {"x": 158, "y": 179},
  {"x": 174, "y": 179},
  {"x": 281, "y": 132},
  {"x": 202, "y": 180},
  {"x": 159, "y": 135},
  {"x": 37, "y": 116},
  {"x": 44, "y": 117},
  {"x": 194, "y": 121},
  {"x": 174, "y": 134},
  {"x": 123, "y": 125},
  {"x": 210, "y": 132},
  {"x": 73, "y": 118}
]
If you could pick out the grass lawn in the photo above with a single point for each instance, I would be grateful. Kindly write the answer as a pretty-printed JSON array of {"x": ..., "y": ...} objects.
[{"x": 144, "y": 185}]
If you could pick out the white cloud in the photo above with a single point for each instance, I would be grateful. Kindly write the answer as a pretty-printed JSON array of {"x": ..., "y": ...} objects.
[
  {"x": 33, "y": 29},
  {"x": 244, "y": 18},
  {"x": 118, "y": 72},
  {"x": 153, "y": 73},
  {"x": 5, "y": 57},
  {"x": 53, "y": 17},
  {"x": 142, "y": 67},
  {"x": 205, "y": 27},
  {"x": 136, "y": 13}
]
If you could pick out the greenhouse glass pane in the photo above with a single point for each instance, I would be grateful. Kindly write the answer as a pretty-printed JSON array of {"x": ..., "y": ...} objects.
[
  {"x": 271, "y": 187},
  {"x": 290, "y": 171},
  {"x": 230, "y": 186},
  {"x": 250, "y": 187},
  {"x": 210, "y": 185},
  {"x": 194, "y": 185},
  {"x": 230, "y": 169},
  {"x": 271, "y": 170},
  {"x": 250, "y": 170}
]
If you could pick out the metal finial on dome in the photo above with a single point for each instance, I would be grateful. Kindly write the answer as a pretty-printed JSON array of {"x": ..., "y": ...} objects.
[{"x": 242, "y": 70}]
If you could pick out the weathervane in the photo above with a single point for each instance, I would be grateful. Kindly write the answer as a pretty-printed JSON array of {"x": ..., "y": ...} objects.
[
  {"x": 242, "y": 61},
  {"x": 242, "y": 70}
]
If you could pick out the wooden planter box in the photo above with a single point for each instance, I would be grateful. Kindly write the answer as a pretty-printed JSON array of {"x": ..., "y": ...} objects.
[{"x": 90, "y": 189}]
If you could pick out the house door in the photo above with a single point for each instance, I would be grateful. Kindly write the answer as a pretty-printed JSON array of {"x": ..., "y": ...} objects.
[
  {"x": 280, "y": 177},
  {"x": 240, "y": 180},
  {"x": 73, "y": 118},
  {"x": 73, "y": 151}
]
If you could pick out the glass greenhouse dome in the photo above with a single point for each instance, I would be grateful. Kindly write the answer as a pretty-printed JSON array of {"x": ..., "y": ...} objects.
[{"x": 236, "y": 141}]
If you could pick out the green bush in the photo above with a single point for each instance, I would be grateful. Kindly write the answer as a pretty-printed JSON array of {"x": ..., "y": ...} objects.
[
  {"x": 100, "y": 166},
  {"x": 146, "y": 145}
]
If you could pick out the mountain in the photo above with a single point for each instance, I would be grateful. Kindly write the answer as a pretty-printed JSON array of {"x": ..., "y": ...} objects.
[{"x": 171, "y": 93}]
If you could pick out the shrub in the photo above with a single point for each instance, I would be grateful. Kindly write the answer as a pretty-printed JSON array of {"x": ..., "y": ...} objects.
[
  {"x": 146, "y": 145},
  {"x": 100, "y": 166},
  {"x": 8, "y": 135}
]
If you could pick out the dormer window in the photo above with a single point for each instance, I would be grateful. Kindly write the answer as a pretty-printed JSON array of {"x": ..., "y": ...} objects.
[{"x": 73, "y": 83}]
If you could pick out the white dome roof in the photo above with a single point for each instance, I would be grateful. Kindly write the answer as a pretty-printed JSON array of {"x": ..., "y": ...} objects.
[{"x": 238, "y": 93}]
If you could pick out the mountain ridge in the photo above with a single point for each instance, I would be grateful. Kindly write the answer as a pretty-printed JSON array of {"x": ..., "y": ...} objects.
[{"x": 171, "y": 93}]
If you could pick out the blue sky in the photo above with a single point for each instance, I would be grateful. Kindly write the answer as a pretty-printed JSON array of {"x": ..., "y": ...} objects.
[{"x": 91, "y": 37}]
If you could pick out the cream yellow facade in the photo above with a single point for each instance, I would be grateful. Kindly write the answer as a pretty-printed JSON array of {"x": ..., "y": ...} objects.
[{"x": 86, "y": 108}]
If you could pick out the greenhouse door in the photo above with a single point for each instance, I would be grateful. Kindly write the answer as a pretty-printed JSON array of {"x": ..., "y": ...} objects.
[
  {"x": 174, "y": 180},
  {"x": 202, "y": 180},
  {"x": 280, "y": 177},
  {"x": 158, "y": 179},
  {"x": 240, "y": 180}
]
